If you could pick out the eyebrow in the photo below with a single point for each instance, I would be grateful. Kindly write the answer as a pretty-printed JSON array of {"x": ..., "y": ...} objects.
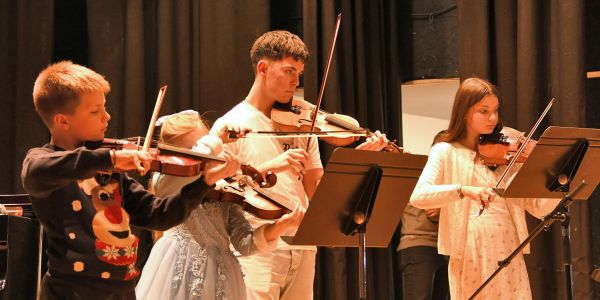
[{"x": 487, "y": 106}]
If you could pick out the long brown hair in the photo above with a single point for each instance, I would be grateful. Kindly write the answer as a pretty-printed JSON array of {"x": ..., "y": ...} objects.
[{"x": 470, "y": 92}]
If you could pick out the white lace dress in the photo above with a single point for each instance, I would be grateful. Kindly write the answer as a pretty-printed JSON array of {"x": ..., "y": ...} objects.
[
  {"x": 194, "y": 261},
  {"x": 491, "y": 237}
]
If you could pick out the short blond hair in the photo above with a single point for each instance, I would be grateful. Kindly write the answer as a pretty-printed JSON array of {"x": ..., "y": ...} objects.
[
  {"x": 58, "y": 88},
  {"x": 277, "y": 45},
  {"x": 179, "y": 125}
]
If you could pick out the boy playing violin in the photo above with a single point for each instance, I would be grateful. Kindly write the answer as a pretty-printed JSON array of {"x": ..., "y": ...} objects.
[
  {"x": 91, "y": 250},
  {"x": 278, "y": 59}
]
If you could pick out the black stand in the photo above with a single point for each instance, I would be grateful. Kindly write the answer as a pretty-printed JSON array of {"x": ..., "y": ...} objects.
[
  {"x": 562, "y": 156},
  {"x": 19, "y": 247},
  {"x": 360, "y": 190}
]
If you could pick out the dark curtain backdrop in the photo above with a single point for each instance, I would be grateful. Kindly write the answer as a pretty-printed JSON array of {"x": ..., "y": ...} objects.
[
  {"x": 364, "y": 82},
  {"x": 533, "y": 51},
  {"x": 26, "y": 29},
  {"x": 200, "y": 49}
]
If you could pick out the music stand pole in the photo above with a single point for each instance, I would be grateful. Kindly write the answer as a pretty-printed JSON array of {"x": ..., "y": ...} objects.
[
  {"x": 565, "y": 220},
  {"x": 362, "y": 263}
]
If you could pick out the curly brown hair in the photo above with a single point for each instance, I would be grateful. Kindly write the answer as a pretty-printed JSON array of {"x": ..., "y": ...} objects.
[
  {"x": 58, "y": 88},
  {"x": 277, "y": 45}
]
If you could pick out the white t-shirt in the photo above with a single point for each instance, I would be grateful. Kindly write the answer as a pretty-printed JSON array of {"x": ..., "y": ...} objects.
[{"x": 255, "y": 151}]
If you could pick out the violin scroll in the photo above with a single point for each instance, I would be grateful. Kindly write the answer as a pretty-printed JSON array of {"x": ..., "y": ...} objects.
[{"x": 261, "y": 203}]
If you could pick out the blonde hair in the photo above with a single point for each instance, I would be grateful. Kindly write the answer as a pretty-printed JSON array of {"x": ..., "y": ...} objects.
[
  {"x": 177, "y": 126},
  {"x": 58, "y": 88},
  {"x": 277, "y": 45},
  {"x": 470, "y": 92}
]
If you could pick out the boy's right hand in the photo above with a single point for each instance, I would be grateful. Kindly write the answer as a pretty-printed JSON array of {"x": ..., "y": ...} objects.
[
  {"x": 292, "y": 159},
  {"x": 224, "y": 132},
  {"x": 132, "y": 160},
  {"x": 213, "y": 171}
]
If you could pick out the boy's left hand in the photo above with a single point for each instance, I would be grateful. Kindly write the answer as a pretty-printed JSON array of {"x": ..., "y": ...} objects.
[
  {"x": 375, "y": 142},
  {"x": 132, "y": 160}
]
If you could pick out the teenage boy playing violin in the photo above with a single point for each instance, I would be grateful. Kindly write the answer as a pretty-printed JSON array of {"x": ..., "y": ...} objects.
[
  {"x": 278, "y": 59},
  {"x": 91, "y": 250}
]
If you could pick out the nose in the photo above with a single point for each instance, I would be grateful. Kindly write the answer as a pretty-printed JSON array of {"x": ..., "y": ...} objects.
[
  {"x": 107, "y": 116},
  {"x": 494, "y": 116},
  {"x": 114, "y": 214}
]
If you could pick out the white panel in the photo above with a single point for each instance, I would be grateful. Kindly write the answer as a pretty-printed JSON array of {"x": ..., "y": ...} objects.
[{"x": 426, "y": 109}]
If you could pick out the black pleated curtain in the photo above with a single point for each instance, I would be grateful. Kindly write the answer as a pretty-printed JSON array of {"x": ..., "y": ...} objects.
[
  {"x": 26, "y": 42},
  {"x": 364, "y": 82},
  {"x": 534, "y": 51},
  {"x": 200, "y": 49},
  {"x": 531, "y": 49}
]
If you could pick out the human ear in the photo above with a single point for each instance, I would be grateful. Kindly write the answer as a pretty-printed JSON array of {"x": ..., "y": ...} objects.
[
  {"x": 262, "y": 66},
  {"x": 60, "y": 121}
]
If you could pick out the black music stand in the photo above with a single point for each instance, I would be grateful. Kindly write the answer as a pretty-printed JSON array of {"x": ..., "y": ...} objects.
[
  {"x": 20, "y": 241},
  {"x": 360, "y": 190},
  {"x": 562, "y": 156}
]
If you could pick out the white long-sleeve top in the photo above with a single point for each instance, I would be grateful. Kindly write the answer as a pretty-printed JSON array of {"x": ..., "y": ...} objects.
[{"x": 450, "y": 165}]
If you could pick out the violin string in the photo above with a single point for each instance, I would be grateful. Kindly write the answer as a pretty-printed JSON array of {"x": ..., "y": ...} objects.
[
  {"x": 279, "y": 135},
  {"x": 520, "y": 150}
]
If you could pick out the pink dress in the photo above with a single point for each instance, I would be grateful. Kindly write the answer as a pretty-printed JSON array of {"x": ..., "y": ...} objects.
[{"x": 491, "y": 237}]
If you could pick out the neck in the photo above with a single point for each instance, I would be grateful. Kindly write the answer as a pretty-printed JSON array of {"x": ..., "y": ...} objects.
[
  {"x": 64, "y": 142},
  {"x": 258, "y": 98},
  {"x": 470, "y": 140}
]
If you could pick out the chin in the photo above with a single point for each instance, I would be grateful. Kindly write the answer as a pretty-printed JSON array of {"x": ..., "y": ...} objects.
[{"x": 285, "y": 100}]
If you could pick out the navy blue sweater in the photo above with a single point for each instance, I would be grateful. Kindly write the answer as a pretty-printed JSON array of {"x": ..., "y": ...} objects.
[{"x": 87, "y": 225}]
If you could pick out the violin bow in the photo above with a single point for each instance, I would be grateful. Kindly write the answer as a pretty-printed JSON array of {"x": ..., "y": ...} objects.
[
  {"x": 325, "y": 74},
  {"x": 520, "y": 150},
  {"x": 157, "y": 106}
]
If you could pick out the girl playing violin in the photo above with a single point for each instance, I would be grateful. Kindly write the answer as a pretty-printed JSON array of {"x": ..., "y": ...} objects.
[
  {"x": 456, "y": 181},
  {"x": 193, "y": 260}
]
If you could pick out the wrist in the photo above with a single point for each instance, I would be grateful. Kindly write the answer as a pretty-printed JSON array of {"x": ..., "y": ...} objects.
[{"x": 459, "y": 191}]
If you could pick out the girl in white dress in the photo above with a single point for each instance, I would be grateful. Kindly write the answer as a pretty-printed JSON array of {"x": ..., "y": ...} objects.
[
  {"x": 456, "y": 180},
  {"x": 193, "y": 260}
]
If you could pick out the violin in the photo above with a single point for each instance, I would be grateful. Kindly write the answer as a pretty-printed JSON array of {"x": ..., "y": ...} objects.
[
  {"x": 174, "y": 160},
  {"x": 255, "y": 200},
  {"x": 298, "y": 114},
  {"x": 178, "y": 161},
  {"x": 501, "y": 147},
  {"x": 295, "y": 119},
  {"x": 339, "y": 130}
]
